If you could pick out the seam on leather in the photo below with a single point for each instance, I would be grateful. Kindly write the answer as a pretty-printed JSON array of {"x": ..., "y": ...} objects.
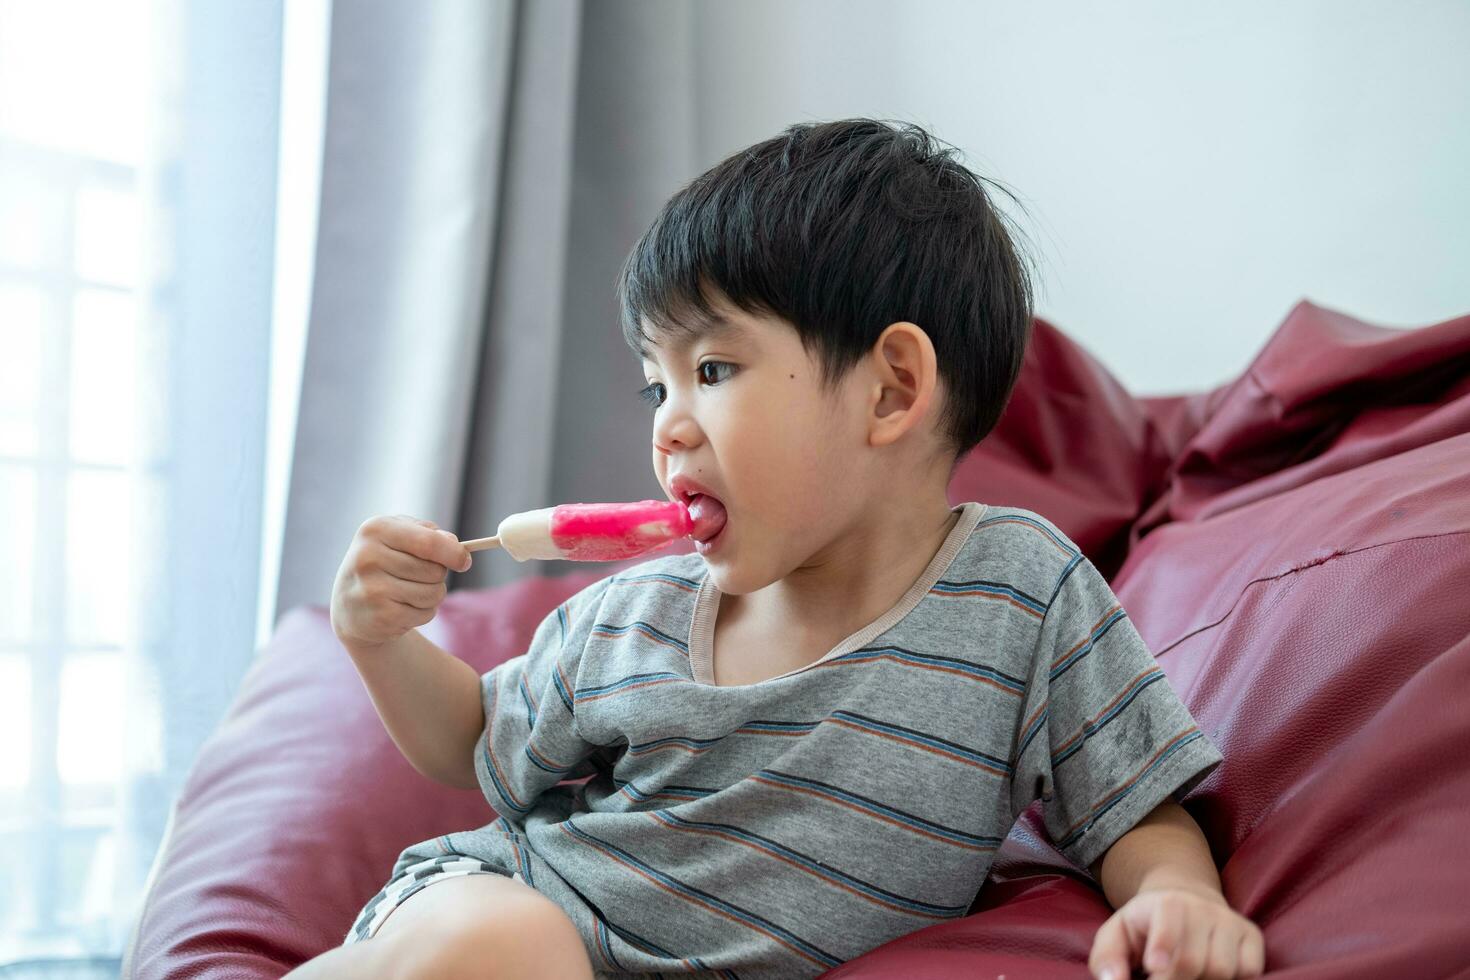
[{"x": 1306, "y": 566}]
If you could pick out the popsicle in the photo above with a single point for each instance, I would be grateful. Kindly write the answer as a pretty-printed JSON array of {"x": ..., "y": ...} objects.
[{"x": 589, "y": 532}]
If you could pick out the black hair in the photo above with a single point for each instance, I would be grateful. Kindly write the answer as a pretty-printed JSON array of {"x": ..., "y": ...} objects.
[{"x": 842, "y": 228}]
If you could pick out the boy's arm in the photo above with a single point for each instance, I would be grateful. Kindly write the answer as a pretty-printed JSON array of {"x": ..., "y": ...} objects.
[
  {"x": 1172, "y": 917},
  {"x": 429, "y": 701},
  {"x": 1166, "y": 849}
]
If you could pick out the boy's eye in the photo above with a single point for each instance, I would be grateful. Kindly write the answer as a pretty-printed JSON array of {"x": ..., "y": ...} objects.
[
  {"x": 711, "y": 364},
  {"x": 654, "y": 392}
]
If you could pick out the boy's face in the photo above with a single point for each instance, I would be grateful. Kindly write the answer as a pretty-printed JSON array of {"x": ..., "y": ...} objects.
[{"x": 743, "y": 413}]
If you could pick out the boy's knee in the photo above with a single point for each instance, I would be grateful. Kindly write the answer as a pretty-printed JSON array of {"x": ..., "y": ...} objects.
[{"x": 526, "y": 937}]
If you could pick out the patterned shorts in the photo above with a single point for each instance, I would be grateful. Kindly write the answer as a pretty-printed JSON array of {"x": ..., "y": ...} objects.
[{"x": 409, "y": 881}]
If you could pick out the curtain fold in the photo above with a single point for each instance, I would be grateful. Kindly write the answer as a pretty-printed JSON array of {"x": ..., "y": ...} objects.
[
  {"x": 507, "y": 462},
  {"x": 485, "y": 170},
  {"x": 415, "y": 131}
]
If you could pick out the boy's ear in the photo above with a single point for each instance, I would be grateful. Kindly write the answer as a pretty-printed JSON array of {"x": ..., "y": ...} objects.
[{"x": 907, "y": 373}]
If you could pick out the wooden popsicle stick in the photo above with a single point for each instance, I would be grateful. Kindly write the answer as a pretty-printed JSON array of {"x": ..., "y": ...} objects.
[{"x": 480, "y": 544}]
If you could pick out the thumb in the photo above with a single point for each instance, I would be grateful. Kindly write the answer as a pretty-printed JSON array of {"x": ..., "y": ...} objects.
[
  {"x": 428, "y": 524},
  {"x": 1110, "y": 957}
]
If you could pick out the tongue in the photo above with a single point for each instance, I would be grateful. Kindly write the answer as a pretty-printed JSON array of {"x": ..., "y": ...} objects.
[{"x": 709, "y": 516}]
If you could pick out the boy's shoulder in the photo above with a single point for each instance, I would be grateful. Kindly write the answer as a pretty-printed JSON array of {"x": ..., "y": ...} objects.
[
  {"x": 689, "y": 569},
  {"x": 1019, "y": 547},
  {"x": 1022, "y": 530},
  {"x": 671, "y": 579},
  {"x": 665, "y": 583}
]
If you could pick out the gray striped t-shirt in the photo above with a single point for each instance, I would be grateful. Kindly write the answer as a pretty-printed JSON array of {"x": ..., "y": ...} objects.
[{"x": 779, "y": 829}]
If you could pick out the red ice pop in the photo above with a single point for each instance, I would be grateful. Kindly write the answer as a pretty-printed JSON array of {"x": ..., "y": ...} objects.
[{"x": 589, "y": 532}]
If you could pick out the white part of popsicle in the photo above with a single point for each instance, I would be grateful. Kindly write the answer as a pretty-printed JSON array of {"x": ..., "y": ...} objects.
[{"x": 527, "y": 535}]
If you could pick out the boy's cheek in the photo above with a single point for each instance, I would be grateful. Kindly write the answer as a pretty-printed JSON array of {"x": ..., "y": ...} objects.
[{"x": 661, "y": 470}]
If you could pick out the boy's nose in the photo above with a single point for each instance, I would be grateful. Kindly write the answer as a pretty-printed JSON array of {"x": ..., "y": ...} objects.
[{"x": 672, "y": 433}]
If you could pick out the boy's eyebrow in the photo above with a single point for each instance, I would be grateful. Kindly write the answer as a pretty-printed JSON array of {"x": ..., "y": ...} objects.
[{"x": 719, "y": 327}]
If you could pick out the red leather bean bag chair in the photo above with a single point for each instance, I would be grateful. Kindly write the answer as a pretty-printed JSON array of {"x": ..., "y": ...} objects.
[{"x": 1293, "y": 545}]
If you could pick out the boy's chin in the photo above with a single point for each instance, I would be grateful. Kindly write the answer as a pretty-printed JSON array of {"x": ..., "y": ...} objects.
[
  {"x": 725, "y": 577},
  {"x": 734, "y": 578}
]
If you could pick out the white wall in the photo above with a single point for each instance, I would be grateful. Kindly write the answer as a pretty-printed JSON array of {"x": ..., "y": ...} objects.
[{"x": 1190, "y": 172}]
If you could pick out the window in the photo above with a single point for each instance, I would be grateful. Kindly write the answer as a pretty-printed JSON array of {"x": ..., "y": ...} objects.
[{"x": 100, "y": 713}]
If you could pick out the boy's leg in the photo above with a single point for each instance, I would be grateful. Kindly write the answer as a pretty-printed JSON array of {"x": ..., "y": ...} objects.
[
  {"x": 368, "y": 960},
  {"x": 466, "y": 927},
  {"x": 484, "y": 927}
]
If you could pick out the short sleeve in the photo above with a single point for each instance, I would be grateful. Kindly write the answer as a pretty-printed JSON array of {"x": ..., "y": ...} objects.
[
  {"x": 530, "y": 741},
  {"x": 1103, "y": 738}
]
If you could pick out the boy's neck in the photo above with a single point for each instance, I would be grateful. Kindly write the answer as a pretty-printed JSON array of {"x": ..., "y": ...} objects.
[{"x": 858, "y": 578}]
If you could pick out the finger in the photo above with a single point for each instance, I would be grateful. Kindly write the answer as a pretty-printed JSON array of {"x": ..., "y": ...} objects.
[
  {"x": 407, "y": 616},
  {"x": 1194, "y": 948},
  {"x": 1136, "y": 920},
  {"x": 1252, "y": 953},
  {"x": 458, "y": 555},
  {"x": 381, "y": 588},
  {"x": 1224, "y": 951},
  {"x": 436, "y": 545},
  {"x": 1163, "y": 936},
  {"x": 1109, "y": 959},
  {"x": 410, "y": 568},
  {"x": 417, "y": 594},
  {"x": 394, "y": 618}
]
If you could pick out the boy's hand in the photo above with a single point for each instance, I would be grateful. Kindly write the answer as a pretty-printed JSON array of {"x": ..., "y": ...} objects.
[
  {"x": 1180, "y": 934},
  {"x": 392, "y": 579}
]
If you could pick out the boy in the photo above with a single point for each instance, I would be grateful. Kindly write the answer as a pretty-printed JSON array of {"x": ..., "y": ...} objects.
[{"x": 809, "y": 737}]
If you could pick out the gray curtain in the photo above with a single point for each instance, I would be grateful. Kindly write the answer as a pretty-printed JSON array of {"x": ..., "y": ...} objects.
[{"x": 486, "y": 167}]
